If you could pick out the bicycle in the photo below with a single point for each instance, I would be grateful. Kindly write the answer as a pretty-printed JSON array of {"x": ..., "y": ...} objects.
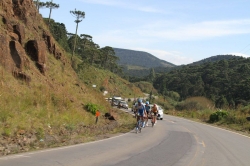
[
  {"x": 153, "y": 119},
  {"x": 139, "y": 125},
  {"x": 146, "y": 121}
]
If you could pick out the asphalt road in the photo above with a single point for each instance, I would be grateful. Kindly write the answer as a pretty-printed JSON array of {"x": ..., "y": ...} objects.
[{"x": 172, "y": 142}]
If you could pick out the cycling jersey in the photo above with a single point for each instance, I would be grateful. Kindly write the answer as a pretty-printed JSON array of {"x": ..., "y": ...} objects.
[
  {"x": 154, "y": 109},
  {"x": 147, "y": 107},
  {"x": 140, "y": 109}
]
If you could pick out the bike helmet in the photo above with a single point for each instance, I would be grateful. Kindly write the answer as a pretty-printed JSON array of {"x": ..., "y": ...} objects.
[
  {"x": 147, "y": 102},
  {"x": 139, "y": 101}
]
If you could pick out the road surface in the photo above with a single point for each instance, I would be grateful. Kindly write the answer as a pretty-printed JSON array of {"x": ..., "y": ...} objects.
[{"x": 172, "y": 142}]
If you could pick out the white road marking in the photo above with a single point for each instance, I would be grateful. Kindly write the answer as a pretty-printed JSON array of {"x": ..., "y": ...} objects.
[
  {"x": 58, "y": 148},
  {"x": 13, "y": 157}
]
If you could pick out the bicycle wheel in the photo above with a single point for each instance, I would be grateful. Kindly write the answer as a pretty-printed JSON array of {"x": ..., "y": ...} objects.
[
  {"x": 137, "y": 128},
  {"x": 153, "y": 121},
  {"x": 140, "y": 125}
]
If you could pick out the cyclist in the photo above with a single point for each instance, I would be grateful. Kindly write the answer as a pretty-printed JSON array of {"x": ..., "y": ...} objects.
[
  {"x": 140, "y": 111},
  {"x": 147, "y": 108},
  {"x": 154, "y": 110}
]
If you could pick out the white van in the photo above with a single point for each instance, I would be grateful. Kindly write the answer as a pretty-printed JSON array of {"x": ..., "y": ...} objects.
[{"x": 115, "y": 100}]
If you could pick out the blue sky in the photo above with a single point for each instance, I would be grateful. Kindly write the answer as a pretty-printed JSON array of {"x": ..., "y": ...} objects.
[{"x": 178, "y": 31}]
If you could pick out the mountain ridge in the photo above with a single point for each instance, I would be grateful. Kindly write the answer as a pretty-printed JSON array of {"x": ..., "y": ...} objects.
[{"x": 128, "y": 56}]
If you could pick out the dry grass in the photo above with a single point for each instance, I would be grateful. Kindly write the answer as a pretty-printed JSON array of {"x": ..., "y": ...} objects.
[
  {"x": 203, "y": 101},
  {"x": 54, "y": 100},
  {"x": 236, "y": 119},
  {"x": 115, "y": 85}
]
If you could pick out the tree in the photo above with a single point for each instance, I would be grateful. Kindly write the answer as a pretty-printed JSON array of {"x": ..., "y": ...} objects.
[
  {"x": 151, "y": 76},
  {"x": 39, "y": 4},
  {"x": 79, "y": 15},
  {"x": 108, "y": 55},
  {"x": 51, "y": 6},
  {"x": 84, "y": 40},
  {"x": 59, "y": 32}
]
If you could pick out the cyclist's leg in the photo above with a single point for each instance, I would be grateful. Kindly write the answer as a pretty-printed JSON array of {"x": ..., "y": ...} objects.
[
  {"x": 152, "y": 119},
  {"x": 140, "y": 123},
  {"x": 147, "y": 119},
  {"x": 144, "y": 122},
  {"x": 137, "y": 122},
  {"x": 155, "y": 118}
]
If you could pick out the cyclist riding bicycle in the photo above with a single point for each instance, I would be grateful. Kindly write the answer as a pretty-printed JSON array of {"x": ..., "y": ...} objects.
[
  {"x": 140, "y": 111},
  {"x": 154, "y": 110},
  {"x": 147, "y": 108}
]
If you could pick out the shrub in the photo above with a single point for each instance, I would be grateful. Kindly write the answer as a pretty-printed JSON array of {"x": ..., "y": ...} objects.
[
  {"x": 217, "y": 116},
  {"x": 91, "y": 108},
  {"x": 102, "y": 88},
  {"x": 189, "y": 106}
]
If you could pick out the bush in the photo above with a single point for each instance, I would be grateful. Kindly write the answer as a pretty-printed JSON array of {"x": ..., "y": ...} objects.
[
  {"x": 91, "y": 108},
  {"x": 189, "y": 106},
  {"x": 217, "y": 116},
  {"x": 102, "y": 88}
]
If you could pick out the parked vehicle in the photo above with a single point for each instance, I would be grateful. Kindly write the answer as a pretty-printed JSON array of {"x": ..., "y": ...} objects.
[
  {"x": 160, "y": 112},
  {"x": 115, "y": 100},
  {"x": 123, "y": 104}
]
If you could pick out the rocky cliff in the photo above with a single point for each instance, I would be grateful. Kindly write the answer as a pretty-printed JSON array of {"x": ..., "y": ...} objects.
[
  {"x": 24, "y": 38},
  {"x": 42, "y": 101}
]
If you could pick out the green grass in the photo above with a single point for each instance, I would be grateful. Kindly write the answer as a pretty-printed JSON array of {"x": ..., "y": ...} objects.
[
  {"x": 203, "y": 109},
  {"x": 131, "y": 67},
  {"x": 54, "y": 104}
]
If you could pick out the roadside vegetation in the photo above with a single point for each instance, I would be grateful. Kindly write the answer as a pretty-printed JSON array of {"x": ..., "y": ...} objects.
[
  {"x": 58, "y": 108},
  {"x": 52, "y": 111},
  {"x": 203, "y": 110}
]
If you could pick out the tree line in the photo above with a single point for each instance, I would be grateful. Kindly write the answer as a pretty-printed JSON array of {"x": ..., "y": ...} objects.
[
  {"x": 226, "y": 82},
  {"x": 82, "y": 46}
]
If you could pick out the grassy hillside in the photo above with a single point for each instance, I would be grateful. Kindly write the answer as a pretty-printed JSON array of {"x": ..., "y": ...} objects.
[
  {"x": 108, "y": 81},
  {"x": 50, "y": 108},
  {"x": 138, "y": 63},
  {"x": 53, "y": 106},
  {"x": 140, "y": 58}
]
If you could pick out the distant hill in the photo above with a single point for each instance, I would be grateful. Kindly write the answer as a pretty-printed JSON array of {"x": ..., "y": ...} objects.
[
  {"x": 138, "y": 63},
  {"x": 226, "y": 82},
  {"x": 211, "y": 59},
  {"x": 215, "y": 58}
]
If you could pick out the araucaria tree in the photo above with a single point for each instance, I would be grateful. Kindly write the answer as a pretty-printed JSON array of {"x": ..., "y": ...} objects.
[
  {"x": 39, "y": 4},
  {"x": 78, "y": 15},
  {"x": 51, "y": 6}
]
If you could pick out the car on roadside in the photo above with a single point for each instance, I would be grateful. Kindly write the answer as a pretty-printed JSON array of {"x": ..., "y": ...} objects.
[
  {"x": 115, "y": 100},
  {"x": 123, "y": 104},
  {"x": 160, "y": 112}
]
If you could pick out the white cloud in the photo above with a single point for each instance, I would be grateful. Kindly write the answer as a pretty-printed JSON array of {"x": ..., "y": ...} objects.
[
  {"x": 196, "y": 31},
  {"x": 174, "y": 57}
]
